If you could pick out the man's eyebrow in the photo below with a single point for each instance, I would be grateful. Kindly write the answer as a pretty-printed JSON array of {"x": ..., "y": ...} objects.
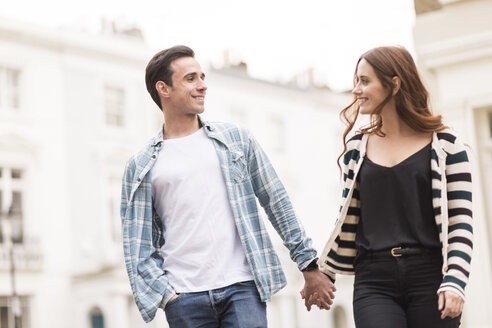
[{"x": 202, "y": 75}]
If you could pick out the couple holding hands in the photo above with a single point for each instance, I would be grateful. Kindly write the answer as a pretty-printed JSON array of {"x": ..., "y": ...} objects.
[{"x": 196, "y": 247}]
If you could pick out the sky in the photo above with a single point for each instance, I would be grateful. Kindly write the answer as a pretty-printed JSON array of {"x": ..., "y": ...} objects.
[{"x": 278, "y": 39}]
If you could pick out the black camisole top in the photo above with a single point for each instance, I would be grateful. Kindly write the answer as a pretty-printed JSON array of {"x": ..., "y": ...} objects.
[{"x": 396, "y": 204}]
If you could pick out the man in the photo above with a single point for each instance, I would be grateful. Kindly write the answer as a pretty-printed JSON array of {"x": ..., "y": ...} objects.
[{"x": 193, "y": 239}]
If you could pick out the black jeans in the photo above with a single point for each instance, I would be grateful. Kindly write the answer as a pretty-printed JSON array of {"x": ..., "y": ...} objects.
[{"x": 399, "y": 292}]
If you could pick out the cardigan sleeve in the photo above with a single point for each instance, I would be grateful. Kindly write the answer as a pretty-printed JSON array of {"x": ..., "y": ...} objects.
[
  {"x": 460, "y": 225},
  {"x": 339, "y": 251}
]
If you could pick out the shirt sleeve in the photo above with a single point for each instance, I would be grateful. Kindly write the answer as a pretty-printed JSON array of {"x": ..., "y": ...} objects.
[
  {"x": 274, "y": 199},
  {"x": 142, "y": 237}
]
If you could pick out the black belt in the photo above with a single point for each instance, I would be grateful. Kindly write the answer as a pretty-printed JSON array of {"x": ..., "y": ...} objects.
[{"x": 401, "y": 252}]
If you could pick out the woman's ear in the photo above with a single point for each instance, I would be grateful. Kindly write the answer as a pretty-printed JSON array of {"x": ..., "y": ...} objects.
[{"x": 396, "y": 85}]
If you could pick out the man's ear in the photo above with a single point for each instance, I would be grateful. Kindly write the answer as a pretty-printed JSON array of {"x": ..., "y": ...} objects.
[
  {"x": 396, "y": 85},
  {"x": 162, "y": 89}
]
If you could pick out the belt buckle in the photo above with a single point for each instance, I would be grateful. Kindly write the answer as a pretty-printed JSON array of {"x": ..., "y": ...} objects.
[{"x": 393, "y": 252}]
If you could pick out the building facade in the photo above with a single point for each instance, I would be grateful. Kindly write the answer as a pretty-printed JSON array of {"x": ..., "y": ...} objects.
[
  {"x": 73, "y": 108},
  {"x": 453, "y": 42}
]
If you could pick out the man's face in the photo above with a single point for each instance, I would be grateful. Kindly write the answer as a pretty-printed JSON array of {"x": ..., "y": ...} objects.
[{"x": 187, "y": 95}]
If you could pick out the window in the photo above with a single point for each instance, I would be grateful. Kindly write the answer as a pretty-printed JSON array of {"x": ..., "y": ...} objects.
[
  {"x": 7, "y": 319},
  {"x": 96, "y": 318},
  {"x": 9, "y": 88},
  {"x": 16, "y": 212},
  {"x": 16, "y": 173},
  {"x": 11, "y": 202},
  {"x": 114, "y": 106}
]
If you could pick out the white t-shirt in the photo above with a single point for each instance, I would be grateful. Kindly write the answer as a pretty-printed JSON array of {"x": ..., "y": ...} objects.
[{"x": 202, "y": 249}]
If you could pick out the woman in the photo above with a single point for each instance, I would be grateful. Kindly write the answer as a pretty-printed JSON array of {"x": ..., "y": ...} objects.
[{"x": 405, "y": 223}]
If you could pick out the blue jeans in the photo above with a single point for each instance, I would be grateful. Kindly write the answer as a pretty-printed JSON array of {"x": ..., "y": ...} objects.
[{"x": 238, "y": 305}]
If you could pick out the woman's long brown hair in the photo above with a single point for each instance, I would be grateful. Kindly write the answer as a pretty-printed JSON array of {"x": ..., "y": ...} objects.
[{"x": 412, "y": 99}]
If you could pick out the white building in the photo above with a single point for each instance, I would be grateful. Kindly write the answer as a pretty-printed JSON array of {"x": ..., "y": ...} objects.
[
  {"x": 73, "y": 108},
  {"x": 453, "y": 41}
]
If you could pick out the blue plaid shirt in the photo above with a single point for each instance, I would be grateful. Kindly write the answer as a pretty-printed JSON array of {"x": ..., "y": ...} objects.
[{"x": 248, "y": 175}]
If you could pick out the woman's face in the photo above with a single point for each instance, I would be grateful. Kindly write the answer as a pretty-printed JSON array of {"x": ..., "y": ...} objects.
[{"x": 368, "y": 89}]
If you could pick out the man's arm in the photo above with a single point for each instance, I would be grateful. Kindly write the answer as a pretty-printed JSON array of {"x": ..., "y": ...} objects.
[
  {"x": 141, "y": 239},
  {"x": 274, "y": 199}
]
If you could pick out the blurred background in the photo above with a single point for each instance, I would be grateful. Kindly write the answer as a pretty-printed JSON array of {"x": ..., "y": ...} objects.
[{"x": 74, "y": 108}]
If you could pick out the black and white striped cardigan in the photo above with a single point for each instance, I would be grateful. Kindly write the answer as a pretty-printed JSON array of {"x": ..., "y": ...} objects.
[{"x": 451, "y": 199}]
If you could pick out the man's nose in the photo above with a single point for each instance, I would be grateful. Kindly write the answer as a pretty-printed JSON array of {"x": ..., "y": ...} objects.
[{"x": 202, "y": 85}]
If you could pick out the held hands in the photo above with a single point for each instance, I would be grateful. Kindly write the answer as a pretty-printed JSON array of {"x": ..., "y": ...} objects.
[
  {"x": 318, "y": 290},
  {"x": 450, "y": 304}
]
